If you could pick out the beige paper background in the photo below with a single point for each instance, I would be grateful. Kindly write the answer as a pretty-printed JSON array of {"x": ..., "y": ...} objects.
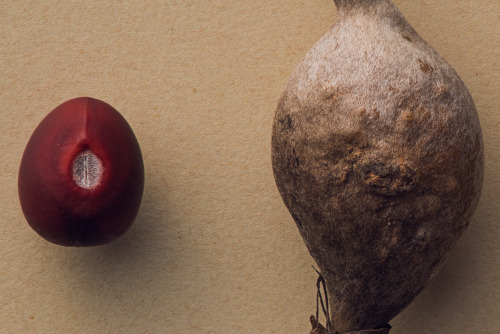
[{"x": 213, "y": 250}]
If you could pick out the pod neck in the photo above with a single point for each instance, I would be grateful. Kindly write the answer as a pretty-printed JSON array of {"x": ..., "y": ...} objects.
[
  {"x": 347, "y": 5},
  {"x": 379, "y": 9}
]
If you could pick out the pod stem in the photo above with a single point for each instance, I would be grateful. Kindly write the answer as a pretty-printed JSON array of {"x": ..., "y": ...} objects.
[
  {"x": 341, "y": 4},
  {"x": 338, "y": 3}
]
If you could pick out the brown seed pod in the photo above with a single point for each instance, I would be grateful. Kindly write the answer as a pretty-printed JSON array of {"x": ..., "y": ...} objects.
[{"x": 377, "y": 153}]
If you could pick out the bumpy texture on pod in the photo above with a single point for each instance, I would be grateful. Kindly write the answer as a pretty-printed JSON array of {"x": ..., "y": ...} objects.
[{"x": 377, "y": 153}]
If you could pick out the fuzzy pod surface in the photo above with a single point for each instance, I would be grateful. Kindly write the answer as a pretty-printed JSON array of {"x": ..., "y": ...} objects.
[{"x": 377, "y": 153}]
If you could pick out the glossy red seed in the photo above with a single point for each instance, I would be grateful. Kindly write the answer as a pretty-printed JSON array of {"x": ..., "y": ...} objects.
[{"x": 81, "y": 177}]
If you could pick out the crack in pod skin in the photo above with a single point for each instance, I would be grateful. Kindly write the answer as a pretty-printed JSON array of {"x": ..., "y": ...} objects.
[{"x": 377, "y": 153}]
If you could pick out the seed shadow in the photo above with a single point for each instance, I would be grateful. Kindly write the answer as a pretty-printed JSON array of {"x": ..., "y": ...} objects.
[{"x": 128, "y": 265}]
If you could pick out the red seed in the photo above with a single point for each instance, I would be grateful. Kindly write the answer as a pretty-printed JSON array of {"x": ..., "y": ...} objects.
[{"x": 81, "y": 177}]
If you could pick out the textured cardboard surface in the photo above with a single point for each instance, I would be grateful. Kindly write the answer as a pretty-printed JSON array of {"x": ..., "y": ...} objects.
[{"x": 214, "y": 249}]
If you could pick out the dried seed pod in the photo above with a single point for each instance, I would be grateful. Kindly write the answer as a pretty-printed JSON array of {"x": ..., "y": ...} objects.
[{"x": 377, "y": 153}]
